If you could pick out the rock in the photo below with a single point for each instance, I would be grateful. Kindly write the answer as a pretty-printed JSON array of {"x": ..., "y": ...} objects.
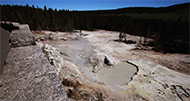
[
  {"x": 28, "y": 75},
  {"x": 73, "y": 36},
  {"x": 16, "y": 24},
  {"x": 64, "y": 67},
  {"x": 64, "y": 39},
  {"x": 24, "y": 27},
  {"x": 8, "y": 26},
  {"x": 99, "y": 60},
  {"x": 107, "y": 62},
  {"x": 19, "y": 38},
  {"x": 42, "y": 39},
  {"x": 54, "y": 57},
  {"x": 44, "y": 88},
  {"x": 181, "y": 92},
  {"x": 20, "y": 34}
]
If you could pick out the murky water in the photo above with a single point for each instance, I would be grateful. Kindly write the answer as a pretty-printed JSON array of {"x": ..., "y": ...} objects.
[{"x": 120, "y": 74}]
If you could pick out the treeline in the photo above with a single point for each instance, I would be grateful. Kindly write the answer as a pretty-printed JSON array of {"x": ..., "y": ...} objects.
[
  {"x": 47, "y": 19},
  {"x": 169, "y": 36}
]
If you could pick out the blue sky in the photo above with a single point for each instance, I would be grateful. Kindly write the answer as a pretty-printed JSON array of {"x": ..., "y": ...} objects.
[{"x": 93, "y": 4}]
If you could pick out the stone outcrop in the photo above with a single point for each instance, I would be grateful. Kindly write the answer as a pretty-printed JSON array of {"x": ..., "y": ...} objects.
[
  {"x": 53, "y": 56},
  {"x": 20, "y": 38},
  {"x": 61, "y": 62},
  {"x": 20, "y": 34},
  {"x": 27, "y": 74},
  {"x": 15, "y": 25},
  {"x": 99, "y": 60},
  {"x": 8, "y": 26}
]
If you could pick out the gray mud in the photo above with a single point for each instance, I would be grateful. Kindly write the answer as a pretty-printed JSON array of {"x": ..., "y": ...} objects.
[
  {"x": 79, "y": 51},
  {"x": 118, "y": 75}
]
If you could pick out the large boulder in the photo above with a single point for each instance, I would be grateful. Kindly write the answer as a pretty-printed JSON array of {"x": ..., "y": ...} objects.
[
  {"x": 18, "y": 25},
  {"x": 9, "y": 26},
  {"x": 100, "y": 60},
  {"x": 24, "y": 27},
  {"x": 28, "y": 76},
  {"x": 20, "y": 34},
  {"x": 19, "y": 38}
]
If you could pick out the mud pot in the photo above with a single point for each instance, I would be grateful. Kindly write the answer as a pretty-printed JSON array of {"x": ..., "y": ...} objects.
[{"x": 118, "y": 75}]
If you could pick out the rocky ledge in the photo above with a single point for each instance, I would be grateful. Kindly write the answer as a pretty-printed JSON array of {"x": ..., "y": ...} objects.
[{"x": 27, "y": 74}]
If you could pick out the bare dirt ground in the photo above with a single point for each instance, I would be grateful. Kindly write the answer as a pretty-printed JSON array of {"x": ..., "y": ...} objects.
[{"x": 79, "y": 56}]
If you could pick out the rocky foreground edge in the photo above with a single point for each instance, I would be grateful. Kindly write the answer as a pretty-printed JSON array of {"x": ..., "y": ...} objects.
[{"x": 27, "y": 74}]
